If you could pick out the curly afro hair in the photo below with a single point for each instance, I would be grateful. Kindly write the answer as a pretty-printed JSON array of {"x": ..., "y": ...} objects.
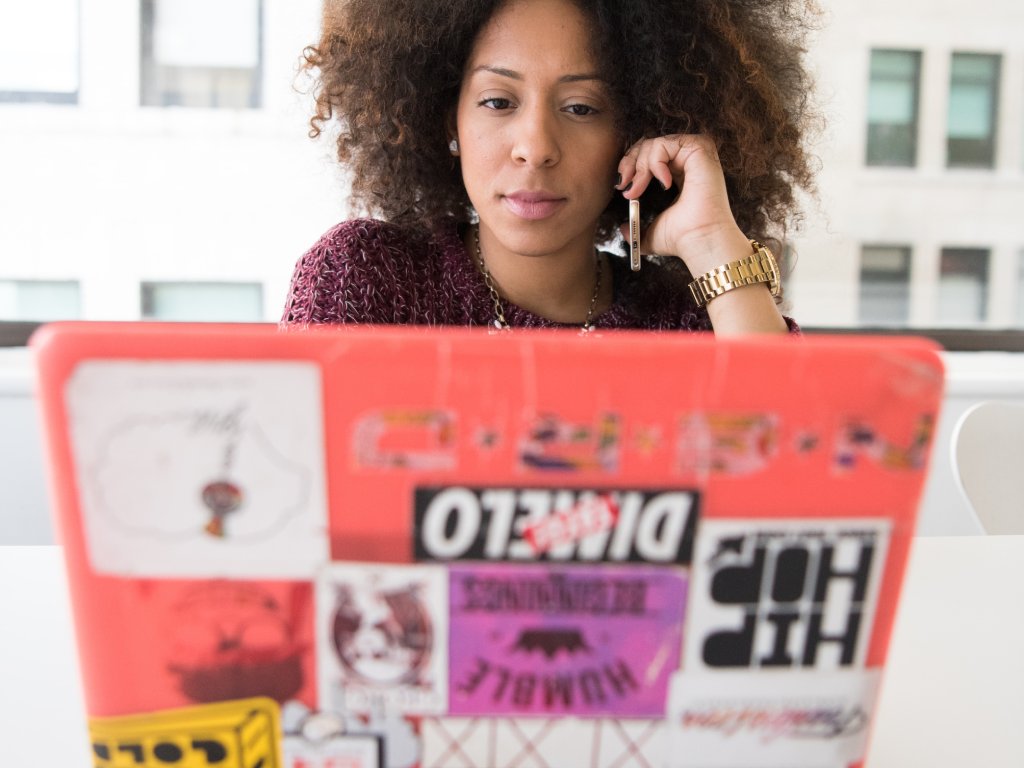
[{"x": 390, "y": 72}]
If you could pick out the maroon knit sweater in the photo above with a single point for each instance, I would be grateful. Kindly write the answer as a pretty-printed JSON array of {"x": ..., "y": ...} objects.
[{"x": 367, "y": 271}]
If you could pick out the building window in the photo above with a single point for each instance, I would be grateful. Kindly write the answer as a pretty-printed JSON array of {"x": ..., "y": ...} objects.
[
  {"x": 40, "y": 300},
  {"x": 203, "y": 302},
  {"x": 963, "y": 286},
  {"x": 884, "y": 286},
  {"x": 39, "y": 51},
  {"x": 892, "y": 107},
  {"x": 973, "y": 110},
  {"x": 201, "y": 54}
]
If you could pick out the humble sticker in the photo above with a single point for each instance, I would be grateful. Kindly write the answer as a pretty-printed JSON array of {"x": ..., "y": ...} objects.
[{"x": 532, "y": 640}]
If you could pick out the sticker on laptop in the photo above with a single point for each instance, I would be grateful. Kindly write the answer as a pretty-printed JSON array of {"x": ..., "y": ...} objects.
[
  {"x": 382, "y": 639},
  {"x": 232, "y": 734},
  {"x": 554, "y": 524},
  {"x": 784, "y": 594},
  {"x": 778, "y": 719},
  {"x": 457, "y": 742},
  {"x": 538, "y": 640},
  {"x": 200, "y": 469}
]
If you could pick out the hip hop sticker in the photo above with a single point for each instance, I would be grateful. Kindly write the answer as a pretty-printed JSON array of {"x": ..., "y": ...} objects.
[{"x": 534, "y": 640}]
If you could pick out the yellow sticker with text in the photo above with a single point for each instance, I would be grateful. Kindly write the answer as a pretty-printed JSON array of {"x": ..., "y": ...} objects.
[{"x": 229, "y": 734}]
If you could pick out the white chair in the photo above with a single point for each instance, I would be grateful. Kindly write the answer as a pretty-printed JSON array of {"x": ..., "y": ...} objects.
[{"x": 988, "y": 463}]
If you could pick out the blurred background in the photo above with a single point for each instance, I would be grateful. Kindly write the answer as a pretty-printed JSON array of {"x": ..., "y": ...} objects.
[{"x": 155, "y": 164}]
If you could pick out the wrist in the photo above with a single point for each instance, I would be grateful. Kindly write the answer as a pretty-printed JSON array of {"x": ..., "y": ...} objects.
[
  {"x": 757, "y": 268},
  {"x": 705, "y": 252}
]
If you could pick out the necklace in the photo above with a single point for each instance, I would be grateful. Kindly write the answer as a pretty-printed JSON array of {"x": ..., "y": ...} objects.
[{"x": 499, "y": 313}]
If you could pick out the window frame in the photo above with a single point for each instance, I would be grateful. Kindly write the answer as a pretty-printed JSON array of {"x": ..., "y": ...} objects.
[
  {"x": 914, "y": 127},
  {"x": 991, "y": 143},
  {"x": 65, "y": 98},
  {"x": 147, "y": 62}
]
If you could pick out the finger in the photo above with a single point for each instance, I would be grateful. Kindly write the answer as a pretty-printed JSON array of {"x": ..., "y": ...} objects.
[
  {"x": 627, "y": 166},
  {"x": 651, "y": 161}
]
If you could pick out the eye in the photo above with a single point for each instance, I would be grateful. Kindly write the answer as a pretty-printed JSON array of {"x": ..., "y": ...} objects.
[
  {"x": 581, "y": 110},
  {"x": 495, "y": 103}
]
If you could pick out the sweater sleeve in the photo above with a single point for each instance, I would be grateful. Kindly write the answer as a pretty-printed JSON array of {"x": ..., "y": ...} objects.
[{"x": 349, "y": 276}]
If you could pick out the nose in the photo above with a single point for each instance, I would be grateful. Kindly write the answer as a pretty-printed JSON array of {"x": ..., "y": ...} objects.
[{"x": 536, "y": 141}]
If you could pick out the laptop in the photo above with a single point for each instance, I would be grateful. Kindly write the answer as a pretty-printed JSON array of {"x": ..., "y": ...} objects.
[{"x": 384, "y": 547}]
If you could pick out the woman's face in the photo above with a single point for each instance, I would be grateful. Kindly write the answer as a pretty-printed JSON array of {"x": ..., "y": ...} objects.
[{"x": 537, "y": 131}]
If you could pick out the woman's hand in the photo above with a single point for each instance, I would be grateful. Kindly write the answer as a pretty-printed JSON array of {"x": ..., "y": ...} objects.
[{"x": 699, "y": 226}]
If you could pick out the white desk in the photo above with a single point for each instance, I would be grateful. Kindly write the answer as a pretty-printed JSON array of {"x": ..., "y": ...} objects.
[{"x": 953, "y": 693}]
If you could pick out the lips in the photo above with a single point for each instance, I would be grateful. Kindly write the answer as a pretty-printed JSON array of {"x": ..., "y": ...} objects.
[{"x": 533, "y": 206}]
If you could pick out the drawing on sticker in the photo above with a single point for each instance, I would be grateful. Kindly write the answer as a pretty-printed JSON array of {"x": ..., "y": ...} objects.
[
  {"x": 858, "y": 438},
  {"x": 197, "y": 474},
  {"x": 222, "y": 496},
  {"x": 382, "y": 636},
  {"x": 409, "y": 439},
  {"x": 552, "y": 443},
  {"x": 550, "y": 641},
  {"x": 326, "y": 739},
  {"x": 231, "y": 640},
  {"x": 726, "y": 443}
]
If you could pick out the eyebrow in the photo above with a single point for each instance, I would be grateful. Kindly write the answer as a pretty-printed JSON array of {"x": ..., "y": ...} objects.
[{"x": 512, "y": 74}]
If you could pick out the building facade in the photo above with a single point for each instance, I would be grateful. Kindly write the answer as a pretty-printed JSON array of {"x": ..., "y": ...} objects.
[{"x": 159, "y": 165}]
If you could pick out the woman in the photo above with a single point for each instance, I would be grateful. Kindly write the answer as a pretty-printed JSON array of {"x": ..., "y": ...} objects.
[{"x": 501, "y": 141}]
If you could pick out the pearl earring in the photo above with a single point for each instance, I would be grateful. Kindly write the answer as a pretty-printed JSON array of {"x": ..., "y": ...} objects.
[{"x": 453, "y": 146}]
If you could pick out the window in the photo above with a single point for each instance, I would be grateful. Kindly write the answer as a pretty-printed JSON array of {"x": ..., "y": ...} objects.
[
  {"x": 203, "y": 302},
  {"x": 39, "y": 300},
  {"x": 201, "y": 54},
  {"x": 884, "y": 285},
  {"x": 963, "y": 286},
  {"x": 973, "y": 107},
  {"x": 39, "y": 51},
  {"x": 892, "y": 107}
]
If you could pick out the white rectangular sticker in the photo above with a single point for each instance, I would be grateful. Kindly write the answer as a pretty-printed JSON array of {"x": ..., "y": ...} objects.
[
  {"x": 770, "y": 720},
  {"x": 200, "y": 469},
  {"x": 458, "y": 742},
  {"x": 382, "y": 639},
  {"x": 783, "y": 594}
]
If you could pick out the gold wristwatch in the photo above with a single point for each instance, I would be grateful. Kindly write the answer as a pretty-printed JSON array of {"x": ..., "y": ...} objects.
[{"x": 758, "y": 267}]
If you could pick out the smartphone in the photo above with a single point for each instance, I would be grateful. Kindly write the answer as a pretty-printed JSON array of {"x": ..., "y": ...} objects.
[{"x": 634, "y": 235}]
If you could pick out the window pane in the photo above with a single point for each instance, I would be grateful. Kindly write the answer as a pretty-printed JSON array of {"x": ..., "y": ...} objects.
[
  {"x": 973, "y": 106},
  {"x": 201, "y": 54},
  {"x": 39, "y": 300},
  {"x": 892, "y": 108},
  {"x": 884, "y": 286},
  {"x": 963, "y": 286},
  {"x": 203, "y": 302},
  {"x": 26, "y": 30}
]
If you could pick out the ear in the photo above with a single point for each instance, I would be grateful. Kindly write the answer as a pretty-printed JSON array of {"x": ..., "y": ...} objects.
[
  {"x": 451, "y": 126},
  {"x": 451, "y": 133}
]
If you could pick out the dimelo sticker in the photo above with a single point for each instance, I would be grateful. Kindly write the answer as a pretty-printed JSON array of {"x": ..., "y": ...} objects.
[{"x": 541, "y": 640}]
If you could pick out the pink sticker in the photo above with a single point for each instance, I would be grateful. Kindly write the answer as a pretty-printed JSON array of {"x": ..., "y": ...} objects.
[{"x": 532, "y": 640}]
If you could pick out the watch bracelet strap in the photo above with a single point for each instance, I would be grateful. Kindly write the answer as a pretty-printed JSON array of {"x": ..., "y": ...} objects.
[{"x": 758, "y": 267}]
